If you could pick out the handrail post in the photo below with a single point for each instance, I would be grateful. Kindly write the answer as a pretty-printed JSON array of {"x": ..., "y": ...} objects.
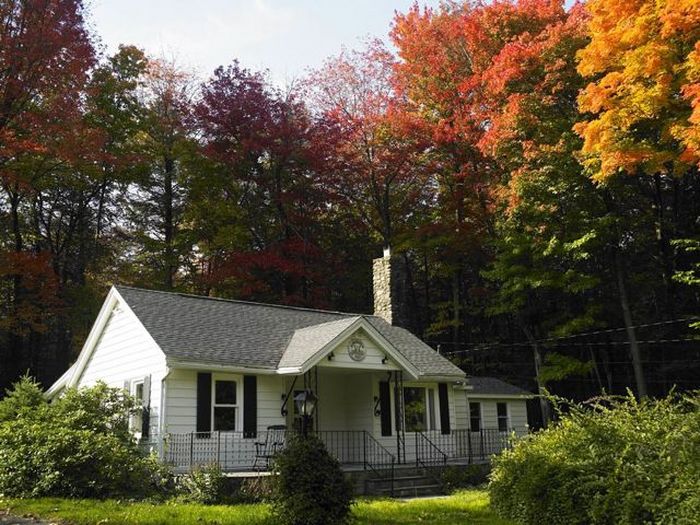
[
  {"x": 218, "y": 448},
  {"x": 481, "y": 432},
  {"x": 364, "y": 450},
  {"x": 191, "y": 448},
  {"x": 469, "y": 445}
]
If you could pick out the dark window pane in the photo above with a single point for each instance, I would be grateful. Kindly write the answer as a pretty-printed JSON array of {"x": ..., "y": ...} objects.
[
  {"x": 224, "y": 418},
  {"x": 475, "y": 416},
  {"x": 502, "y": 410},
  {"x": 138, "y": 393},
  {"x": 225, "y": 393},
  {"x": 414, "y": 407}
]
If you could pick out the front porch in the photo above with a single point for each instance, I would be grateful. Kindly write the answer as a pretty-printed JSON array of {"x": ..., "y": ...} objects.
[{"x": 354, "y": 449}]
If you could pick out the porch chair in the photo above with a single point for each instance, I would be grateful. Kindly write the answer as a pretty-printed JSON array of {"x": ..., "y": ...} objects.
[{"x": 274, "y": 442}]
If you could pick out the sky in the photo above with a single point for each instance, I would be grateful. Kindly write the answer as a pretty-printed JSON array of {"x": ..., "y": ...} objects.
[{"x": 283, "y": 36}]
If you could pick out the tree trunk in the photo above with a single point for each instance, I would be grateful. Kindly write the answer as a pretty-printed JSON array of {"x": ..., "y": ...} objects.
[
  {"x": 629, "y": 328},
  {"x": 537, "y": 358},
  {"x": 168, "y": 224}
]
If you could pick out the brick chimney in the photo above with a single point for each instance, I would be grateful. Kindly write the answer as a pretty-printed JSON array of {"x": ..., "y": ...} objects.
[{"x": 390, "y": 290}]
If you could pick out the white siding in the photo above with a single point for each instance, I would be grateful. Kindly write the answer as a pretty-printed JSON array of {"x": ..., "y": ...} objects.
[
  {"x": 345, "y": 401},
  {"x": 270, "y": 392},
  {"x": 461, "y": 420},
  {"x": 340, "y": 357},
  {"x": 181, "y": 400},
  {"x": 517, "y": 411},
  {"x": 125, "y": 352}
]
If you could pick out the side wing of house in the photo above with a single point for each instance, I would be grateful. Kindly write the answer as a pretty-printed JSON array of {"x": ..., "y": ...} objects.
[
  {"x": 121, "y": 353},
  {"x": 493, "y": 412}
]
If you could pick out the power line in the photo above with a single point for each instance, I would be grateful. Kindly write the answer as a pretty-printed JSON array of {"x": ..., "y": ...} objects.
[
  {"x": 486, "y": 346},
  {"x": 596, "y": 343}
]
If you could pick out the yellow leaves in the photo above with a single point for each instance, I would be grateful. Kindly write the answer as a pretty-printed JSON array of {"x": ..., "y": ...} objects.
[
  {"x": 679, "y": 16},
  {"x": 642, "y": 89}
]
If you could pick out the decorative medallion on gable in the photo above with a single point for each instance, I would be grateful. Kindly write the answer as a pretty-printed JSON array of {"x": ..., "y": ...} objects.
[{"x": 356, "y": 350}]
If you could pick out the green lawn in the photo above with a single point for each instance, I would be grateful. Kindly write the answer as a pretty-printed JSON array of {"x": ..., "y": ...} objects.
[{"x": 464, "y": 507}]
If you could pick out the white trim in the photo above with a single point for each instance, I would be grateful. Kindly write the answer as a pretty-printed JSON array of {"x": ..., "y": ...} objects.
[
  {"x": 113, "y": 300},
  {"x": 206, "y": 367},
  {"x": 59, "y": 384},
  {"x": 372, "y": 333},
  {"x": 523, "y": 397},
  {"x": 498, "y": 418},
  {"x": 137, "y": 417},
  {"x": 238, "y": 379}
]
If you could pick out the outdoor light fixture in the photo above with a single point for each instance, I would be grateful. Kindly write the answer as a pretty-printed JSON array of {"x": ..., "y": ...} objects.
[{"x": 305, "y": 402}]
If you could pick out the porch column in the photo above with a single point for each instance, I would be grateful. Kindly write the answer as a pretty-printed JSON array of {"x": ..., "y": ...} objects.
[{"x": 399, "y": 419}]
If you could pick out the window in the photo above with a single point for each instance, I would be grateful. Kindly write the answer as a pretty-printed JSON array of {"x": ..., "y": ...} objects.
[
  {"x": 225, "y": 405},
  {"x": 502, "y": 412},
  {"x": 475, "y": 417},
  {"x": 136, "y": 422},
  {"x": 419, "y": 408}
]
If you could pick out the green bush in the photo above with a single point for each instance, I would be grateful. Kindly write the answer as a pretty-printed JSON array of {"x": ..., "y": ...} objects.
[
  {"x": 458, "y": 477},
  {"x": 77, "y": 446},
  {"x": 255, "y": 490},
  {"x": 617, "y": 461},
  {"x": 205, "y": 484},
  {"x": 310, "y": 488}
]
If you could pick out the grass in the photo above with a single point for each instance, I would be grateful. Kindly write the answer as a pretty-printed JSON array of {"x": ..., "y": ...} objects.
[{"x": 471, "y": 506}]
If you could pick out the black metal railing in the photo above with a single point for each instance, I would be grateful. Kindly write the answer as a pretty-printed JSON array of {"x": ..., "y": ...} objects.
[
  {"x": 235, "y": 451},
  {"x": 347, "y": 446},
  {"x": 428, "y": 454},
  {"x": 463, "y": 444}
]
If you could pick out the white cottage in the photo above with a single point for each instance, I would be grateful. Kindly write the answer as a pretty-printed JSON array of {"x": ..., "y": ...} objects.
[{"x": 217, "y": 380}]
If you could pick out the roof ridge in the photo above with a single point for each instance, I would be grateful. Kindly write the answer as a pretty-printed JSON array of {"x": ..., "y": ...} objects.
[{"x": 239, "y": 301}]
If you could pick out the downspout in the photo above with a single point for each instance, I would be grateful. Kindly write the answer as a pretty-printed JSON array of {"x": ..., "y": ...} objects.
[{"x": 162, "y": 420}]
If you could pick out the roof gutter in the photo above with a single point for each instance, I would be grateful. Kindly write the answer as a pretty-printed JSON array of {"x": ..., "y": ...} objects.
[{"x": 203, "y": 365}]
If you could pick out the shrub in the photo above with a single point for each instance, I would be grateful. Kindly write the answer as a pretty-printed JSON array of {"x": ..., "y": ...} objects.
[
  {"x": 205, "y": 484},
  {"x": 310, "y": 488},
  {"x": 617, "y": 461},
  {"x": 255, "y": 490},
  {"x": 78, "y": 446},
  {"x": 459, "y": 477}
]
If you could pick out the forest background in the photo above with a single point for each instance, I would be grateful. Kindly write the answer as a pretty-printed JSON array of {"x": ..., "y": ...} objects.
[{"x": 534, "y": 167}]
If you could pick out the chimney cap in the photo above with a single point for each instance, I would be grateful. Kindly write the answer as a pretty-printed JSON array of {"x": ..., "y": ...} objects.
[{"x": 387, "y": 251}]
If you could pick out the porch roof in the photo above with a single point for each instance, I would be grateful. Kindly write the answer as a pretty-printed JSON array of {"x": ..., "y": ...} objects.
[{"x": 214, "y": 331}]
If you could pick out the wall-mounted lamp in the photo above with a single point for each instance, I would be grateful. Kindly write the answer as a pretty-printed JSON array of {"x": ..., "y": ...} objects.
[
  {"x": 331, "y": 356},
  {"x": 377, "y": 409},
  {"x": 385, "y": 359}
]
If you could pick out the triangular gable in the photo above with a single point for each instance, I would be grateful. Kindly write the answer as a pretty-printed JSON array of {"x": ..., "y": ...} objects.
[
  {"x": 113, "y": 300},
  {"x": 308, "y": 346}
]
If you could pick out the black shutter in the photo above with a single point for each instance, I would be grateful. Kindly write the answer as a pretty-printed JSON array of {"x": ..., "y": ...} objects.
[
  {"x": 250, "y": 406},
  {"x": 203, "y": 402},
  {"x": 146, "y": 407},
  {"x": 444, "y": 408},
  {"x": 385, "y": 407}
]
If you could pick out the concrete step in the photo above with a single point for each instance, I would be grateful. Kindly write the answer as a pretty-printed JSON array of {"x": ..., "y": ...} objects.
[
  {"x": 415, "y": 491},
  {"x": 400, "y": 482},
  {"x": 405, "y": 484}
]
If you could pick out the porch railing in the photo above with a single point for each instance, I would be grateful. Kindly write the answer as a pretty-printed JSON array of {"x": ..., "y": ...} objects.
[
  {"x": 235, "y": 451},
  {"x": 462, "y": 444},
  {"x": 428, "y": 453}
]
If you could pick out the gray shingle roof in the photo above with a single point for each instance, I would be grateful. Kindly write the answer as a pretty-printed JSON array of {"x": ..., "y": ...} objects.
[
  {"x": 238, "y": 333},
  {"x": 493, "y": 386},
  {"x": 307, "y": 341}
]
